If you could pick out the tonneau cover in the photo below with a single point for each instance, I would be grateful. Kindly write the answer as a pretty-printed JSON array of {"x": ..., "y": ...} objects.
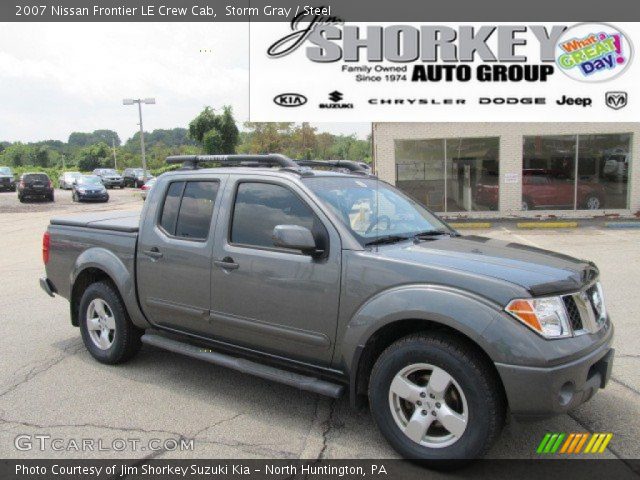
[{"x": 116, "y": 221}]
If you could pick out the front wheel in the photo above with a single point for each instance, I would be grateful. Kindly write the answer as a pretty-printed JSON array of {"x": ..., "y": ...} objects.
[
  {"x": 107, "y": 330},
  {"x": 435, "y": 399},
  {"x": 593, "y": 203}
]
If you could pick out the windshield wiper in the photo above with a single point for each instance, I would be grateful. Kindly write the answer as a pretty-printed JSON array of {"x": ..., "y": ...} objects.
[
  {"x": 432, "y": 233},
  {"x": 386, "y": 239}
]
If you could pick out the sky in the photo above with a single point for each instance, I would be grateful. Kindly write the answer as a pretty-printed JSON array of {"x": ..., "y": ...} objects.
[{"x": 57, "y": 78}]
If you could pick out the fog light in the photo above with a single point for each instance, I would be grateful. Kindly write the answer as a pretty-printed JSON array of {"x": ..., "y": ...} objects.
[{"x": 566, "y": 393}]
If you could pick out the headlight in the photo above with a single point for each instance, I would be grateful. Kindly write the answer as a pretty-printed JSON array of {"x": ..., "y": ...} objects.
[{"x": 546, "y": 316}]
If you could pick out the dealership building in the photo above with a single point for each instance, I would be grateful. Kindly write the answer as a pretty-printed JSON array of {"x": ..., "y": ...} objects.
[{"x": 513, "y": 169}]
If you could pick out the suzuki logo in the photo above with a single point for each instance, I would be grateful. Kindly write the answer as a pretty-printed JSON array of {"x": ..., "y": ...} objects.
[
  {"x": 335, "y": 96},
  {"x": 616, "y": 100}
]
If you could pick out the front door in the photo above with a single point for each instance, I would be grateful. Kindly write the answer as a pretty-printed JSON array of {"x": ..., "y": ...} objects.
[
  {"x": 174, "y": 253},
  {"x": 273, "y": 299}
]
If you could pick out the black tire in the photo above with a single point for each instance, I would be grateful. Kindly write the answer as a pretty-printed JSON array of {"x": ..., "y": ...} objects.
[
  {"x": 51, "y": 198},
  {"x": 21, "y": 198},
  {"x": 126, "y": 337},
  {"x": 486, "y": 409},
  {"x": 74, "y": 197},
  {"x": 591, "y": 201}
]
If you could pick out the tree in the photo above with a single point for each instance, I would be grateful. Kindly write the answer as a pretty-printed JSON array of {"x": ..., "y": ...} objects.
[
  {"x": 229, "y": 133},
  {"x": 224, "y": 124},
  {"x": 17, "y": 155},
  {"x": 94, "y": 156},
  {"x": 83, "y": 139},
  {"x": 213, "y": 142},
  {"x": 41, "y": 157},
  {"x": 267, "y": 137}
]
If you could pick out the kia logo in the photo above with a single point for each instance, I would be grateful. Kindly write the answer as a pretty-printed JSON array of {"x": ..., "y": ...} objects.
[{"x": 290, "y": 100}]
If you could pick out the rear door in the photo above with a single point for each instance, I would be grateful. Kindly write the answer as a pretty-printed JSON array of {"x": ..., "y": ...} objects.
[
  {"x": 174, "y": 252},
  {"x": 273, "y": 299}
]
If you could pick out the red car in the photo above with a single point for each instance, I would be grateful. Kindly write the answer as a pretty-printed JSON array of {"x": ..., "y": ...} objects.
[{"x": 548, "y": 189}]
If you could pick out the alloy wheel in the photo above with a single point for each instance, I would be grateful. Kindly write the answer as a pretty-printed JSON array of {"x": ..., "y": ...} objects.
[
  {"x": 101, "y": 324},
  {"x": 428, "y": 405},
  {"x": 593, "y": 203}
]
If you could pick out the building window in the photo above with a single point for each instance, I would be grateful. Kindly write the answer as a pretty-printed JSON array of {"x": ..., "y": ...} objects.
[
  {"x": 450, "y": 175},
  {"x": 575, "y": 172}
]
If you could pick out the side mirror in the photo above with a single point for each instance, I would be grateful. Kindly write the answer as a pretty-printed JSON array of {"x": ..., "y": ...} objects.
[{"x": 296, "y": 238}]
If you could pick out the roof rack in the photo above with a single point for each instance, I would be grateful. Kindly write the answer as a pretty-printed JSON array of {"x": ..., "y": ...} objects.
[
  {"x": 350, "y": 165},
  {"x": 269, "y": 160},
  {"x": 301, "y": 167}
]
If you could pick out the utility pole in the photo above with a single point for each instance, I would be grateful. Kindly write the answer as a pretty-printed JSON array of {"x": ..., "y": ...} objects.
[
  {"x": 115, "y": 160},
  {"x": 140, "y": 101}
]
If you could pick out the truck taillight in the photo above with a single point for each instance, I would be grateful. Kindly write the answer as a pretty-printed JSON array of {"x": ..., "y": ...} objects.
[{"x": 46, "y": 242}]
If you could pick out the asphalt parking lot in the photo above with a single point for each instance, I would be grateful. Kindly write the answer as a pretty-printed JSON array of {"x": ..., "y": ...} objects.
[{"x": 49, "y": 385}]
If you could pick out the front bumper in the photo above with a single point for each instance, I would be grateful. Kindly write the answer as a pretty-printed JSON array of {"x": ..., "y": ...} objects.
[
  {"x": 93, "y": 197},
  {"x": 535, "y": 392}
]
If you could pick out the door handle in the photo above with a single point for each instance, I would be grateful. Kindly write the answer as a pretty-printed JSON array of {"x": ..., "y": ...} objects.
[
  {"x": 226, "y": 263},
  {"x": 153, "y": 253}
]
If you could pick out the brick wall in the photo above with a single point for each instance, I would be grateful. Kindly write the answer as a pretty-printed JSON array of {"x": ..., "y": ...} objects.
[{"x": 511, "y": 142}]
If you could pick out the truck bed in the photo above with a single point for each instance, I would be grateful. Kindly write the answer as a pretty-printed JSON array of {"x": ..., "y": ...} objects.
[{"x": 116, "y": 221}]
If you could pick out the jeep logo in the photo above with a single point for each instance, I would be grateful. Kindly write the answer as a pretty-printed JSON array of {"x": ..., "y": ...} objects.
[
  {"x": 616, "y": 100},
  {"x": 290, "y": 100}
]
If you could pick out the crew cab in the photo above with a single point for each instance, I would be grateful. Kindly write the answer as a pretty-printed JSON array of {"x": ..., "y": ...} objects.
[{"x": 337, "y": 283}]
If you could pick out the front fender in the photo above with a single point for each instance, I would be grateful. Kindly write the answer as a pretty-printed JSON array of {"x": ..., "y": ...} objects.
[
  {"x": 121, "y": 275},
  {"x": 460, "y": 310}
]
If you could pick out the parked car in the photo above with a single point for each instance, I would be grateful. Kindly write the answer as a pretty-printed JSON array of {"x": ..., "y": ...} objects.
[
  {"x": 548, "y": 189},
  {"x": 544, "y": 188},
  {"x": 35, "y": 185},
  {"x": 110, "y": 177},
  {"x": 338, "y": 282},
  {"x": 66, "y": 180},
  {"x": 89, "y": 188},
  {"x": 146, "y": 187},
  {"x": 136, "y": 177},
  {"x": 7, "y": 180}
]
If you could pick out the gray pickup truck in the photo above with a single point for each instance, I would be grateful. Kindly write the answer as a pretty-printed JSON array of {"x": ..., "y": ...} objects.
[{"x": 334, "y": 281}]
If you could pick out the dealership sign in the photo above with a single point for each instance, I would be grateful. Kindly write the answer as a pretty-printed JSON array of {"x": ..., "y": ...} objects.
[{"x": 441, "y": 72}]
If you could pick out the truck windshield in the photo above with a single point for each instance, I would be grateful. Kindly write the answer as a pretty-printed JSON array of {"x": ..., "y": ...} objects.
[
  {"x": 5, "y": 171},
  {"x": 374, "y": 210}
]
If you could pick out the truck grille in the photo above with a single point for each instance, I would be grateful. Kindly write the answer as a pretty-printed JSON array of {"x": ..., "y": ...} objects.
[
  {"x": 572, "y": 311},
  {"x": 585, "y": 310}
]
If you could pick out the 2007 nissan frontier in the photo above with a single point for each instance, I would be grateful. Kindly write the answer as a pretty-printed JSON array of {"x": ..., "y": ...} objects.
[{"x": 331, "y": 281}]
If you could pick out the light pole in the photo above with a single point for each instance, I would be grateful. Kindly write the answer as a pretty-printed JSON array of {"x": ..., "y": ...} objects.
[
  {"x": 140, "y": 101},
  {"x": 115, "y": 160}
]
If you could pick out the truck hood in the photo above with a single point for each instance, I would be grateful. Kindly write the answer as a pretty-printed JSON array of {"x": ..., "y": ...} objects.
[{"x": 541, "y": 272}]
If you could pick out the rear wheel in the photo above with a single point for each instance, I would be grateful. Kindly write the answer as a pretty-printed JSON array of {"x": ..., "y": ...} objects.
[
  {"x": 21, "y": 198},
  {"x": 435, "y": 399},
  {"x": 107, "y": 331}
]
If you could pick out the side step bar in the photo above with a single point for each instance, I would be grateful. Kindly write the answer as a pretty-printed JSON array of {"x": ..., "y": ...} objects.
[{"x": 303, "y": 382}]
